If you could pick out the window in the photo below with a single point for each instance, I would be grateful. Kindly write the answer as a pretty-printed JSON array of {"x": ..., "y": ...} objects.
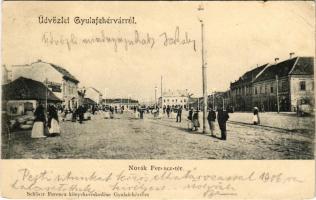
[
  {"x": 271, "y": 89},
  {"x": 256, "y": 91},
  {"x": 302, "y": 85},
  {"x": 164, "y": 100},
  {"x": 184, "y": 100}
]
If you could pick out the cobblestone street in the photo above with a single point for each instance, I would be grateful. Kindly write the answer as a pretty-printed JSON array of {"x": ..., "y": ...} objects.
[{"x": 127, "y": 138}]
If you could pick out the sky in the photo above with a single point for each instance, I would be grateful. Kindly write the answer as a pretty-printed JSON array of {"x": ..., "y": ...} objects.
[{"x": 238, "y": 36}]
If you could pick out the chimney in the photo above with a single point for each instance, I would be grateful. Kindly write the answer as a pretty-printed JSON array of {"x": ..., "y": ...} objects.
[
  {"x": 292, "y": 54},
  {"x": 276, "y": 60}
]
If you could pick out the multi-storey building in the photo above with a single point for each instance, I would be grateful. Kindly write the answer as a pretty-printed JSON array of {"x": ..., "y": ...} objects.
[
  {"x": 241, "y": 91},
  {"x": 174, "y": 98},
  {"x": 93, "y": 94},
  {"x": 286, "y": 83},
  {"x": 281, "y": 85},
  {"x": 63, "y": 84}
]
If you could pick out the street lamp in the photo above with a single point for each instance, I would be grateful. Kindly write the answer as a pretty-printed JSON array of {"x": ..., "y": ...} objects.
[
  {"x": 204, "y": 77},
  {"x": 156, "y": 95}
]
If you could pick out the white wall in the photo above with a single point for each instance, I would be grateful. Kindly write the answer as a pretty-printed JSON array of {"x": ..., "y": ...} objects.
[
  {"x": 39, "y": 71},
  {"x": 296, "y": 93},
  {"x": 92, "y": 94}
]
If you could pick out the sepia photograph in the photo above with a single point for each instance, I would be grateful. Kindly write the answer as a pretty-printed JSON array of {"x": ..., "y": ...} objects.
[{"x": 158, "y": 80}]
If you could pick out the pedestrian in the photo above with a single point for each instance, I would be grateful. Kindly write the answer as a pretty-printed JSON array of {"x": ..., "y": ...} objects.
[
  {"x": 256, "y": 119},
  {"x": 190, "y": 119},
  {"x": 111, "y": 112},
  {"x": 168, "y": 111},
  {"x": 179, "y": 113},
  {"x": 196, "y": 123},
  {"x": 135, "y": 109},
  {"x": 164, "y": 109},
  {"x": 222, "y": 117},
  {"x": 141, "y": 113},
  {"x": 211, "y": 120},
  {"x": 53, "y": 122},
  {"x": 39, "y": 122},
  {"x": 93, "y": 109},
  {"x": 80, "y": 112},
  {"x": 74, "y": 115}
]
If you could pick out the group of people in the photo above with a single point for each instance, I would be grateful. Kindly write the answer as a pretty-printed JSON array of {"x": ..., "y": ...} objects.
[
  {"x": 45, "y": 127},
  {"x": 222, "y": 117}
]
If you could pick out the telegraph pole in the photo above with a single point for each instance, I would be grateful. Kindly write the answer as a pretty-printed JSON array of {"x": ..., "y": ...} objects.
[
  {"x": 161, "y": 90},
  {"x": 277, "y": 91},
  {"x": 46, "y": 84},
  {"x": 204, "y": 77},
  {"x": 155, "y": 96}
]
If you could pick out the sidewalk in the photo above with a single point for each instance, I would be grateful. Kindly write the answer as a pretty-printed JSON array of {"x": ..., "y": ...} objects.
[{"x": 287, "y": 121}]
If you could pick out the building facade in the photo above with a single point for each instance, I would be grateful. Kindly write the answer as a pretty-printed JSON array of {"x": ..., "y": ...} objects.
[
  {"x": 63, "y": 84},
  {"x": 271, "y": 87},
  {"x": 241, "y": 91},
  {"x": 119, "y": 102},
  {"x": 6, "y": 75},
  {"x": 174, "y": 98},
  {"x": 93, "y": 94},
  {"x": 285, "y": 85}
]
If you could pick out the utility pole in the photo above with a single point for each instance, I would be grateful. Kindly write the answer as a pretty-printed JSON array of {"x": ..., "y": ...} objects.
[
  {"x": 277, "y": 91},
  {"x": 105, "y": 96},
  {"x": 46, "y": 84},
  {"x": 161, "y": 90},
  {"x": 223, "y": 103},
  {"x": 204, "y": 77},
  {"x": 213, "y": 100},
  {"x": 155, "y": 96}
]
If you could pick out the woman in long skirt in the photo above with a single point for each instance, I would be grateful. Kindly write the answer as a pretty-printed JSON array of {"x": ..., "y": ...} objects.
[
  {"x": 39, "y": 122},
  {"x": 256, "y": 119},
  {"x": 53, "y": 122}
]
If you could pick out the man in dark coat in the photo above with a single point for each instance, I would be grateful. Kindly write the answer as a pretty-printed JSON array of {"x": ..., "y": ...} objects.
[
  {"x": 141, "y": 113},
  {"x": 211, "y": 120},
  {"x": 40, "y": 114},
  {"x": 222, "y": 117},
  {"x": 81, "y": 112},
  {"x": 179, "y": 113},
  {"x": 168, "y": 111}
]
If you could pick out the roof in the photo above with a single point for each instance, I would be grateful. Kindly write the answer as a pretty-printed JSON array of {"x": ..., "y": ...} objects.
[
  {"x": 118, "y": 100},
  {"x": 250, "y": 76},
  {"x": 95, "y": 90},
  {"x": 175, "y": 93},
  {"x": 27, "y": 89},
  {"x": 89, "y": 101},
  {"x": 66, "y": 74},
  {"x": 297, "y": 65},
  {"x": 304, "y": 66}
]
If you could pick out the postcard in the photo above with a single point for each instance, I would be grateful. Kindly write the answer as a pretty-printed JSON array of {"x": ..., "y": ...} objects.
[{"x": 158, "y": 100}]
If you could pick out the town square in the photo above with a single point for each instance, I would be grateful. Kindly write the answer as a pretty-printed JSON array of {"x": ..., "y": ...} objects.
[{"x": 200, "y": 85}]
